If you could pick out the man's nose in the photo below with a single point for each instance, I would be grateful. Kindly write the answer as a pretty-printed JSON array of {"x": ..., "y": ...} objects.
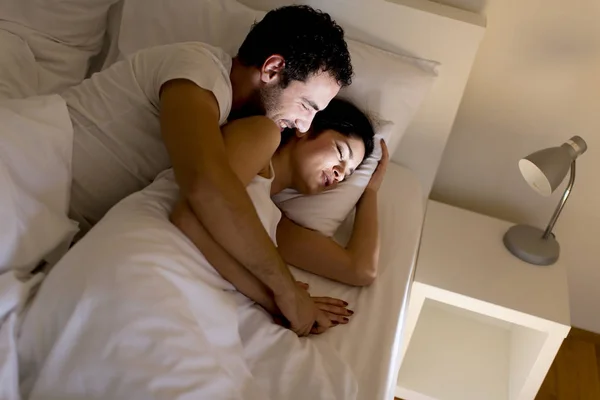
[{"x": 302, "y": 124}]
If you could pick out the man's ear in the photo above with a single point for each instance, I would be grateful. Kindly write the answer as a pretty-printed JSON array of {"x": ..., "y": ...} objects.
[{"x": 272, "y": 68}]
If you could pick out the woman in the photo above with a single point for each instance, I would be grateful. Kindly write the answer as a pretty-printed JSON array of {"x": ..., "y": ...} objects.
[{"x": 340, "y": 138}]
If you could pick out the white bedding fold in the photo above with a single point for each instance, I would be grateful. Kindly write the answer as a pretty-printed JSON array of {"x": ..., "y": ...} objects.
[{"x": 35, "y": 177}]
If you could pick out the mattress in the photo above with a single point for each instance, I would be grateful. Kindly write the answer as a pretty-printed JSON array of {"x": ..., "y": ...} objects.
[
  {"x": 370, "y": 343},
  {"x": 135, "y": 292}
]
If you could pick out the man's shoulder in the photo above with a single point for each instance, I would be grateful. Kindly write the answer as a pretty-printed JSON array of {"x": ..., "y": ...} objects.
[{"x": 189, "y": 49}]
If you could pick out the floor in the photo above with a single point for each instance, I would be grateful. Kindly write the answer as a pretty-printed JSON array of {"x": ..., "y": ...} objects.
[{"x": 575, "y": 373}]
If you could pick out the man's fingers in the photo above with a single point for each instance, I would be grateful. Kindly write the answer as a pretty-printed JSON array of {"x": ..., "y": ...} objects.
[
  {"x": 281, "y": 320},
  {"x": 317, "y": 329},
  {"x": 302, "y": 331},
  {"x": 323, "y": 320},
  {"x": 302, "y": 285}
]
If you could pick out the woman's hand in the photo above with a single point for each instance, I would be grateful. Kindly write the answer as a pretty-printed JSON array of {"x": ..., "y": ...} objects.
[
  {"x": 335, "y": 309},
  {"x": 377, "y": 177}
]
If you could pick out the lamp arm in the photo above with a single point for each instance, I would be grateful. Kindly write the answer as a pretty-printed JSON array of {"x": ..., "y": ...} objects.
[{"x": 563, "y": 200}]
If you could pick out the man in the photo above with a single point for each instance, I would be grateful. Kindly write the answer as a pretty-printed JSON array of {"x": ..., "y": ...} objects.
[{"x": 164, "y": 106}]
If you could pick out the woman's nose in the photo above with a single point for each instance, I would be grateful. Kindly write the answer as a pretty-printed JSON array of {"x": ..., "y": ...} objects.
[{"x": 338, "y": 174}]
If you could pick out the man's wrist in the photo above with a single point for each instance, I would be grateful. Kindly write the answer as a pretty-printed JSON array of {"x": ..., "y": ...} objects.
[{"x": 283, "y": 287}]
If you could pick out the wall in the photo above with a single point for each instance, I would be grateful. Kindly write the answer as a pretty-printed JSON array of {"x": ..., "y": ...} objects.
[
  {"x": 477, "y": 6},
  {"x": 535, "y": 83}
]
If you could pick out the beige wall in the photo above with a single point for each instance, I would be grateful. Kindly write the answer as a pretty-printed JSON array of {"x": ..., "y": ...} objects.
[
  {"x": 477, "y": 6},
  {"x": 535, "y": 83}
]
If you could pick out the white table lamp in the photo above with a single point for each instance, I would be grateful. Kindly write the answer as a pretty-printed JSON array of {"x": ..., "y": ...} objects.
[{"x": 544, "y": 170}]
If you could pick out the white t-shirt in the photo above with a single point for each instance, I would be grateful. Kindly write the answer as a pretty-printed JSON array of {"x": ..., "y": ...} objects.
[{"x": 118, "y": 147}]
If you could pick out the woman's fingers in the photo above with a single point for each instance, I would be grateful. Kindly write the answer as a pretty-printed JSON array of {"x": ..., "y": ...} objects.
[
  {"x": 302, "y": 285},
  {"x": 385, "y": 158},
  {"x": 337, "y": 319},
  {"x": 385, "y": 154},
  {"x": 330, "y": 300},
  {"x": 379, "y": 172},
  {"x": 333, "y": 308}
]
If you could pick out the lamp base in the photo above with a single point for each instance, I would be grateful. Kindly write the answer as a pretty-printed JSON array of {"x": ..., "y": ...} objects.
[{"x": 526, "y": 242}]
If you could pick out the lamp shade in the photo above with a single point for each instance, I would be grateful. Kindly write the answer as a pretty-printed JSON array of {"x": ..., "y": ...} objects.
[{"x": 544, "y": 170}]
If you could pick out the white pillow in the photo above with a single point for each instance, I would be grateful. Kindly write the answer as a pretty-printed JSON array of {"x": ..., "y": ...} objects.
[
  {"x": 221, "y": 23},
  {"x": 35, "y": 176},
  {"x": 77, "y": 23},
  {"x": 386, "y": 85},
  {"x": 64, "y": 35}
]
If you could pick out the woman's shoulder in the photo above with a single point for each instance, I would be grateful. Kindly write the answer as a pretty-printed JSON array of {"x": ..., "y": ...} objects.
[
  {"x": 262, "y": 128},
  {"x": 250, "y": 143},
  {"x": 259, "y": 129}
]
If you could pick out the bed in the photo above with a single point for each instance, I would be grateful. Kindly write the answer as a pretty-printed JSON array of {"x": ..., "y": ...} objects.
[{"x": 369, "y": 346}]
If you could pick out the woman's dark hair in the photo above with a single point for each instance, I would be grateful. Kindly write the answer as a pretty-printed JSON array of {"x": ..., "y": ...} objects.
[
  {"x": 343, "y": 117},
  {"x": 309, "y": 41}
]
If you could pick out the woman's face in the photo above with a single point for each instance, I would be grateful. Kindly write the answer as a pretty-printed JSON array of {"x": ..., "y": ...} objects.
[{"x": 321, "y": 163}]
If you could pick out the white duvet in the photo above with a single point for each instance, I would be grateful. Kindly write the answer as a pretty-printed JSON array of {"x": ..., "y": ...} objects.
[
  {"x": 123, "y": 314},
  {"x": 133, "y": 311}
]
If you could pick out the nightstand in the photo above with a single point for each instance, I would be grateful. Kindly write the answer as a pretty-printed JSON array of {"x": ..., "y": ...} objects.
[{"x": 481, "y": 324}]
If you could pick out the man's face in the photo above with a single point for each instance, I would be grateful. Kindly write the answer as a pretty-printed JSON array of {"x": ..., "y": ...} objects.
[{"x": 296, "y": 105}]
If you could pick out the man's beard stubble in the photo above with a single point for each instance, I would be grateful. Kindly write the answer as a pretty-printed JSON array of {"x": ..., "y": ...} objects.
[{"x": 264, "y": 101}]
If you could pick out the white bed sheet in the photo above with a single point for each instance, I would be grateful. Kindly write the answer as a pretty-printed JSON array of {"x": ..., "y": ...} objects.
[
  {"x": 101, "y": 302},
  {"x": 370, "y": 343}
]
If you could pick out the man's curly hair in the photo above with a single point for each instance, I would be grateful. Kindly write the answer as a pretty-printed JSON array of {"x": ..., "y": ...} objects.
[{"x": 309, "y": 41}]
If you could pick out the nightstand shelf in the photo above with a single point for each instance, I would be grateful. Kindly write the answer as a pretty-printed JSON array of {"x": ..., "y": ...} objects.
[{"x": 481, "y": 324}]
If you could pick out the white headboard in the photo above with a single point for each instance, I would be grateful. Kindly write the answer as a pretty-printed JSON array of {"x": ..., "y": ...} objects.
[{"x": 418, "y": 28}]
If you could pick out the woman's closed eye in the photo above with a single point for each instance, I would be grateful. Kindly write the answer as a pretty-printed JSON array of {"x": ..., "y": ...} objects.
[{"x": 339, "y": 149}]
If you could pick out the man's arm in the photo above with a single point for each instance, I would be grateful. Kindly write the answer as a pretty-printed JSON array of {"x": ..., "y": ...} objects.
[
  {"x": 189, "y": 117},
  {"x": 241, "y": 278},
  {"x": 228, "y": 268}
]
